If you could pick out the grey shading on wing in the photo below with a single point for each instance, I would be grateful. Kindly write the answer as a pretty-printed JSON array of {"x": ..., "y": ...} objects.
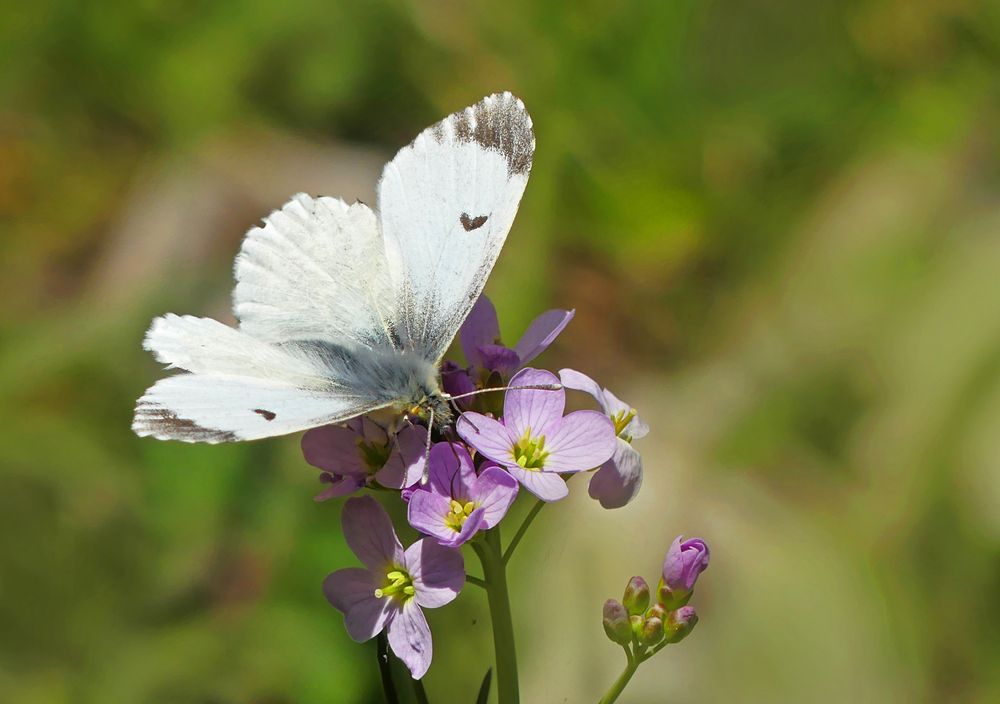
[
  {"x": 315, "y": 270},
  {"x": 241, "y": 388},
  {"x": 446, "y": 204},
  {"x": 211, "y": 408}
]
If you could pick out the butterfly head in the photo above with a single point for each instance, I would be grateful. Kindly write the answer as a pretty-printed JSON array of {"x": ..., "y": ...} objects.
[{"x": 435, "y": 407}]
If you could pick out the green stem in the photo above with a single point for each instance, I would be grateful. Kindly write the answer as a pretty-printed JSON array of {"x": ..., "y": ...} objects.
[
  {"x": 631, "y": 665},
  {"x": 419, "y": 693},
  {"x": 522, "y": 530},
  {"x": 475, "y": 580},
  {"x": 495, "y": 575},
  {"x": 384, "y": 669}
]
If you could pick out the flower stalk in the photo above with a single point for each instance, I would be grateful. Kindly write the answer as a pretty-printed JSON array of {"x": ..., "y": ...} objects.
[
  {"x": 495, "y": 575},
  {"x": 631, "y": 665}
]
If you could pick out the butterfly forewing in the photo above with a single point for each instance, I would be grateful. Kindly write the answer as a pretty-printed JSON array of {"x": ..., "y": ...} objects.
[{"x": 446, "y": 203}]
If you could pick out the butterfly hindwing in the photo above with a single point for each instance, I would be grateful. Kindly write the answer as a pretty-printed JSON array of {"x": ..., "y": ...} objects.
[
  {"x": 316, "y": 270},
  {"x": 212, "y": 408}
]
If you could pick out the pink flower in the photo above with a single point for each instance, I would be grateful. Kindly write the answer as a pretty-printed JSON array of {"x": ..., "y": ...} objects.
[
  {"x": 618, "y": 480},
  {"x": 361, "y": 453},
  {"x": 389, "y": 591},
  {"x": 456, "y": 503},
  {"x": 535, "y": 442}
]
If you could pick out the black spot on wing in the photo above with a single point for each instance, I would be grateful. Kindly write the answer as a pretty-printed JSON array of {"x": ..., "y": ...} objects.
[
  {"x": 268, "y": 415},
  {"x": 498, "y": 122},
  {"x": 472, "y": 223},
  {"x": 161, "y": 422}
]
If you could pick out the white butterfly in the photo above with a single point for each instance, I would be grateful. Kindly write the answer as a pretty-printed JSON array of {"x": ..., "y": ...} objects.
[{"x": 343, "y": 310}]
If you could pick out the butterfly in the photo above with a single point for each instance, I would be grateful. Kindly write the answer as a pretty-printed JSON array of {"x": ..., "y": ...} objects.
[{"x": 344, "y": 310}]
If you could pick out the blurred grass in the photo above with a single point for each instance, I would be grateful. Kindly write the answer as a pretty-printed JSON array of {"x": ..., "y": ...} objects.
[{"x": 778, "y": 222}]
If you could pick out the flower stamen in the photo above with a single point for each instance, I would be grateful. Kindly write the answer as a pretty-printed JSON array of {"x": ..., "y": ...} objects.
[
  {"x": 458, "y": 514},
  {"x": 400, "y": 586},
  {"x": 529, "y": 452}
]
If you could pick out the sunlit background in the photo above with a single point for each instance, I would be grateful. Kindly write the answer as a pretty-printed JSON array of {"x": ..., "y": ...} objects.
[{"x": 778, "y": 221}]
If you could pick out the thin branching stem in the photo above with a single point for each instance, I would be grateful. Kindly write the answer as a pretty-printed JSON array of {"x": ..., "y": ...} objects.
[{"x": 525, "y": 524}]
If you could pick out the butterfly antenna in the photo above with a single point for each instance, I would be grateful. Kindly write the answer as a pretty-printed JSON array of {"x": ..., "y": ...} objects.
[
  {"x": 427, "y": 450},
  {"x": 530, "y": 387}
]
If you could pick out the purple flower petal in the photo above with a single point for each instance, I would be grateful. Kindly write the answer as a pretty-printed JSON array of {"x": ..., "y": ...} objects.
[
  {"x": 410, "y": 639},
  {"x": 472, "y": 525},
  {"x": 546, "y": 486},
  {"x": 438, "y": 573},
  {"x": 685, "y": 560},
  {"x": 618, "y": 480},
  {"x": 541, "y": 333},
  {"x": 405, "y": 465},
  {"x": 583, "y": 440},
  {"x": 348, "y": 587},
  {"x": 451, "y": 472},
  {"x": 500, "y": 359},
  {"x": 578, "y": 381},
  {"x": 480, "y": 328},
  {"x": 455, "y": 380},
  {"x": 494, "y": 491},
  {"x": 490, "y": 437},
  {"x": 610, "y": 404},
  {"x": 426, "y": 513},
  {"x": 369, "y": 533},
  {"x": 338, "y": 486},
  {"x": 372, "y": 432},
  {"x": 366, "y": 619},
  {"x": 333, "y": 448},
  {"x": 534, "y": 409}
]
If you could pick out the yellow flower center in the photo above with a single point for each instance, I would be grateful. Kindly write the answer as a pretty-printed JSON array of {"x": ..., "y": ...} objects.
[
  {"x": 458, "y": 514},
  {"x": 529, "y": 452},
  {"x": 621, "y": 421},
  {"x": 399, "y": 586}
]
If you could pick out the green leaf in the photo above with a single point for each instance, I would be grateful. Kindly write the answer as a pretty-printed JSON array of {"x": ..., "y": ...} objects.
[{"x": 484, "y": 688}]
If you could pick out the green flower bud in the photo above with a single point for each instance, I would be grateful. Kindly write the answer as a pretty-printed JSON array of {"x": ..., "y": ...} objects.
[
  {"x": 636, "y": 623},
  {"x": 616, "y": 622},
  {"x": 656, "y": 611},
  {"x": 636, "y": 597},
  {"x": 652, "y": 632},
  {"x": 672, "y": 599}
]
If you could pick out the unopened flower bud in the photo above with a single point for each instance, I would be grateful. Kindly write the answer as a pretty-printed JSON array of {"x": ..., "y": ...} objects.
[
  {"x": 652, "y": 632},
  {"x": 636, "y": 622},
  {"x": 656, "y": 611},
  {"x": 616, "y": 622},
  {"x": 685, "y": 560},
  {"x": 680, "y": 623},
  {"x": 636, "y": 597}
]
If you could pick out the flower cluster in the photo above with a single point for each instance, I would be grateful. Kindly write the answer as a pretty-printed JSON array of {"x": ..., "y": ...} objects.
[
  {"x": 644, "y": 629},
  {"x": 456, "y": 484}
]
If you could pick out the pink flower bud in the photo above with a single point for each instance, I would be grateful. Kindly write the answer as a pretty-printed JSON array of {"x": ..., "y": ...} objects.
[
  {"x": 680, "y": 623},
  {"x": 685, "y": 560},
  {"x": 616, "y": 622}
]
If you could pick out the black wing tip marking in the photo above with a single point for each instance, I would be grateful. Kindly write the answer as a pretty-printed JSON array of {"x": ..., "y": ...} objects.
[
  {"x": 265, "y": 414},
  {"x": 498, "y": 122},
  {"x": 160, "y": 422}
]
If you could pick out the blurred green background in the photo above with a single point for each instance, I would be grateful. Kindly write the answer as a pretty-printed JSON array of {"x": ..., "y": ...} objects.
[{"x": 779, "y": 223}]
